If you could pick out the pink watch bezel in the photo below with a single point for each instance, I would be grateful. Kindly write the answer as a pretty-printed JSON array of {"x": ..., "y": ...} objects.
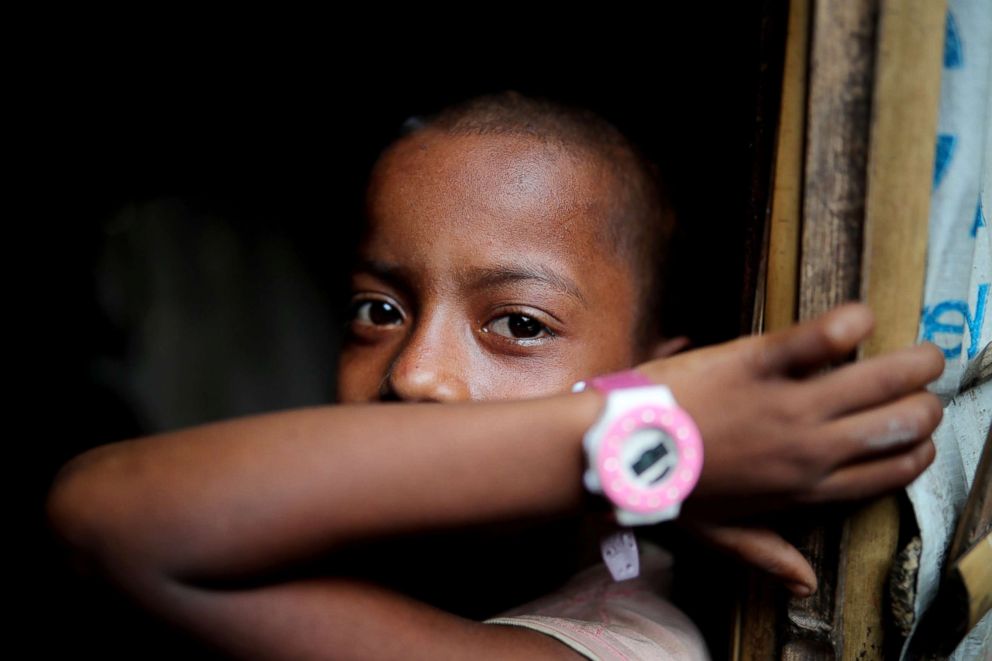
[
  {"x": 673, "y": 420},
  {"x": 674, "y": 489}
]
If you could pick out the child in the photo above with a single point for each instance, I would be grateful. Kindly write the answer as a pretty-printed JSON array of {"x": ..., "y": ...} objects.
[{"x": 509, "y": 253}]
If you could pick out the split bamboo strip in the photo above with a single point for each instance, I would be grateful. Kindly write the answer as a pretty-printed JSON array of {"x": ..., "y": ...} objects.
[
  {"x": 900, "y": 170},
  {"x": 783, "y": 257},
  {"x": 754, "y": 636}
]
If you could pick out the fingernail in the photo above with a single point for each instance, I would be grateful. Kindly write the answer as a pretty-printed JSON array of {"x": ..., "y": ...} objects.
[
  {"x": 800, "y": 589},
  {"x": 839, "y": 329},
  {"x": 845, "y": 326}
]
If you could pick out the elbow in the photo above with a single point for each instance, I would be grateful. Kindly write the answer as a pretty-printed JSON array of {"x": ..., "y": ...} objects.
[
  {"x": 83, "y": 511},
  {"x": 95, "y": 513}
]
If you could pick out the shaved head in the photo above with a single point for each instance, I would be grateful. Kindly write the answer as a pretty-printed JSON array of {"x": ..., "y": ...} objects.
[{"x": 639, "y": 221}]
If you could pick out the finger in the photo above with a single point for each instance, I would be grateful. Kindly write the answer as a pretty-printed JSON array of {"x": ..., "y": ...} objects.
[
  {"x": 887, "y": 429},
  {"x": 816, "y": 342},
  {"x": 869, "y": 479},
  {"x": 670, "y": 347},
  {"x": 875, "y": 381},
  {"x": 767, "y": 550}
]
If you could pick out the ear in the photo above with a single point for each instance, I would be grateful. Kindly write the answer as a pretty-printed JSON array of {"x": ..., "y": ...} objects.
[{"x": 669, "y": 346}]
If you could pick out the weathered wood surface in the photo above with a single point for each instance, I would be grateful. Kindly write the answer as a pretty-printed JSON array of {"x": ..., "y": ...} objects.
[
  {"x": 842, "y": 60},
  {"x": 755, "y": 635},
  {"x": 897, "y": 209},
  {"x": 768, "y": 91},
  {"x": 976, "y": 517},
  {"x": 784, "y": 219},
  {"x": 852, "y": 185}
]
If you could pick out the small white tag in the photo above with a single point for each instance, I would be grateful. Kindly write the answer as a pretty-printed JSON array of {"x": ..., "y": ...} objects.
[{"x": 619, "y": 551}]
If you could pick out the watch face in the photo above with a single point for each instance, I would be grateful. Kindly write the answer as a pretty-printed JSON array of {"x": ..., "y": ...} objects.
[
  {"x": 650, "y": 458},
  {"x": 650, "y": 455}
]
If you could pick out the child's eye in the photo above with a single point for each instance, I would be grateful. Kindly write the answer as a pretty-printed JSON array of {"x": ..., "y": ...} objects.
[
  {"x": 376, "y": 312},
  {"x": 519, "y": 327}
]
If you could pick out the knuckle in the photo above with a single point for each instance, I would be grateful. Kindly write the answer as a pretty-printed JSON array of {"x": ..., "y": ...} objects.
[
  {"x": 891, "y": 380},
  {"x": 936, "y": 409},
  {"x": 916, "y": 462},
  {"x": 772, "y": 563},
  {"x": 794, "y": 408},
  {"x": 905, "y": 471},
  {"x": 758, "y": 353},
  {"x": 807, "y": 466}
]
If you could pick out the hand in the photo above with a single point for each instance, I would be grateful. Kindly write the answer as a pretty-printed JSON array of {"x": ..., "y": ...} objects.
[{"x": 777, "y": 432}]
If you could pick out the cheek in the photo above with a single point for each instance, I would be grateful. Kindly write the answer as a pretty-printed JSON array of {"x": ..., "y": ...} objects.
[
  {"x": 525, "y": 379},
  {"x": 550, "y": 373},
  {"x": 360, "y": 372}
]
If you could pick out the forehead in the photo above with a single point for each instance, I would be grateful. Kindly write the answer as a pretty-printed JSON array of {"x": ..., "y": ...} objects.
[{"x": 487, "y": 191}]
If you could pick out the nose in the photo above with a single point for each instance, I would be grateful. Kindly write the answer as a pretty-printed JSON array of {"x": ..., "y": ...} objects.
[{"x": 430, "y": 367}]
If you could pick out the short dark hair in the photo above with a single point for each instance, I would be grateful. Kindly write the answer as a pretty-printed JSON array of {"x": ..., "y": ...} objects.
[{"x": 641, "y": 218}]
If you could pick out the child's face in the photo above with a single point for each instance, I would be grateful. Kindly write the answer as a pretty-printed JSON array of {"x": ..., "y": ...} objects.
[{"x": 485, "y": 274}]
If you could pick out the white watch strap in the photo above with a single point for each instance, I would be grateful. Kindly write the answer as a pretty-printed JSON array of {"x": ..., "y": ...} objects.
[{"x": 619, "y": 550}]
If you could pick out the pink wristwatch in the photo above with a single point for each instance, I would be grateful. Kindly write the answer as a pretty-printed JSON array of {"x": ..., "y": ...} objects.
[{"x": 644, "y": 454}]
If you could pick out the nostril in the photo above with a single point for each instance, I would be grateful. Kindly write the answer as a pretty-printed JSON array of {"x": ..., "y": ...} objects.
[
  {"x": 388, "y": 395},
  {"x": 386, "y": 391}
]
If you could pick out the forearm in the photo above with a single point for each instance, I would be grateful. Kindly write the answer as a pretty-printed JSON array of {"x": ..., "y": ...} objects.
[
  {"x": 243, "y": 495},
  {"x": 338, "y": 618}
]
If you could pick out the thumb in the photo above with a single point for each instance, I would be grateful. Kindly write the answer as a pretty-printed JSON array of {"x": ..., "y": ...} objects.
[{"x": 764, "y": 549}]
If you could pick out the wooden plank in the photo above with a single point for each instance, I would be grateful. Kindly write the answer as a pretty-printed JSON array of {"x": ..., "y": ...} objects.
[
  {"x": 976, "y": 517},
  {"x": 900, "y": 167},
  {"x": 767, "y": 102},
  {"x": 783, "y": 70},
  {"x": 841, "y": 66},
  {"x": 755, "y": 624},
  {"x": 975, "y": 572},
  {"x": 840, "y": 85},
  {"x": 964, "y": 597},
  {"x": 965, "y": 594},
  {"x": 783, "y": 252}
]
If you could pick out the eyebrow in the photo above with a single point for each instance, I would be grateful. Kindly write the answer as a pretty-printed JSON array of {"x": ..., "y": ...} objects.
[
  {"x": 510, "y": 273},
  {"x": 481, "y": 278},
  {"x": 397, "y": 276}
]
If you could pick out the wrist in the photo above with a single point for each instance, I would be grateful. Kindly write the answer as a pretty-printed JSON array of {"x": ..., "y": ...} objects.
[
  {"x": 644, "y": 452},
  {"x": 588, "y": 406}
]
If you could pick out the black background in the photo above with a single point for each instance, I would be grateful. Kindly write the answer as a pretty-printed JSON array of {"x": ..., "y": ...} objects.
[{"x": 273, "y": 131}]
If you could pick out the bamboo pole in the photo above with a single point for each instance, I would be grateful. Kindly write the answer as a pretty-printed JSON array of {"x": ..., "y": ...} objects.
[
  {"x": 900, "y": 167},
  {"x": 783, "y": 253},
  {"x": 842, "y": 59}
]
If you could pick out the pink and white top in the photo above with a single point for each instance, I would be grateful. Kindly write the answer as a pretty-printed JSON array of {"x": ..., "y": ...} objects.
[{"x": 607, "y": 620}]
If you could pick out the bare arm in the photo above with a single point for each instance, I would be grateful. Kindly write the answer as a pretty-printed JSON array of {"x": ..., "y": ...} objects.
[
  {"x": 244, "y": 495},
  {"x": 337, "y": 617},
  {"x": 165, "y": 515}
]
